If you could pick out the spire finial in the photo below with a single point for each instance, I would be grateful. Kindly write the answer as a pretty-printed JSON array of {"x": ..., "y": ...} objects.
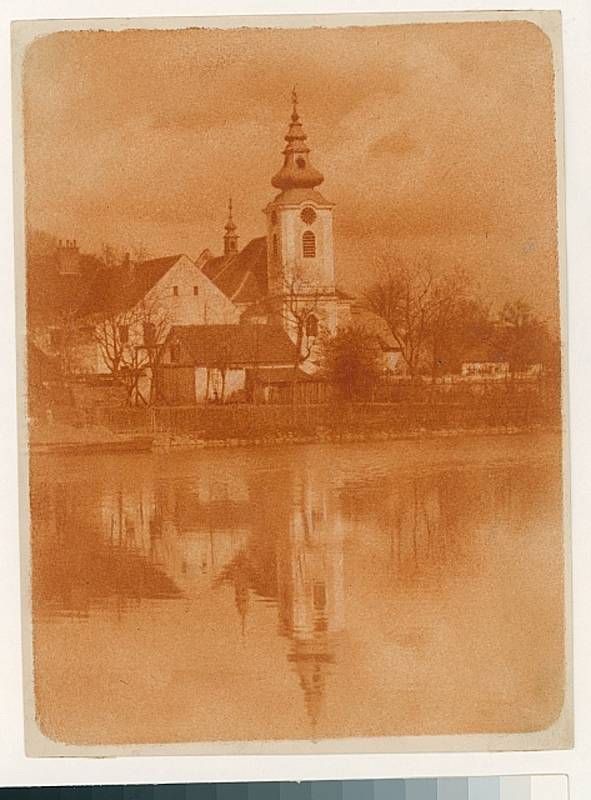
[
  {"x": 294, "y": 102},
  {"x": 230, "y": 238}
]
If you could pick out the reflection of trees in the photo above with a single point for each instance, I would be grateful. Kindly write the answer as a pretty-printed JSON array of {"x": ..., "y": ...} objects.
[
  {"x": 410, "y": 519},
  {"x": 274, "y": 534},
  {"x": 430, "y": 520},
  {"x": 92, "y": 548}
]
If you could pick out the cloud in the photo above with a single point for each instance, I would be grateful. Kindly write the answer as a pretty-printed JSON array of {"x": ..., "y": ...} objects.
[
  {"x": 439, "y": 132},
  {"x": 395, "y": 143}
]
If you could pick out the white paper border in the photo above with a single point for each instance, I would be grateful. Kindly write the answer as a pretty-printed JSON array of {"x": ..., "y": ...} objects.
[{"x": 14, "y": 768}]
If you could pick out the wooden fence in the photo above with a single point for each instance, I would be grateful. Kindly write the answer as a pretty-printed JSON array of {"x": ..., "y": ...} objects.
[{"x": 249, "y": 421}]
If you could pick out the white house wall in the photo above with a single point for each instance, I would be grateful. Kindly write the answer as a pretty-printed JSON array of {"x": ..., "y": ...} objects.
[
  {"x": 206, "y": 389},
  {"x": 209, "y": 307}
]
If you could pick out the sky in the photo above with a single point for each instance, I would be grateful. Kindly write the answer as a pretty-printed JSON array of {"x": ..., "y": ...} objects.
[{"x": 436, "y": 142}]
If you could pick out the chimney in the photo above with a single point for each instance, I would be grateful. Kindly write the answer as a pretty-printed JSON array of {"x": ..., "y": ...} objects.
[
  {"x": 68, "y": 257},
  {"x": 128, "y": 267}
]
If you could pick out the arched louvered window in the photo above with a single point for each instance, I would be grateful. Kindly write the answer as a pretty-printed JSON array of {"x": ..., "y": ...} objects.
[
  {"x": 312, "y": 325},
  {"x": 309, "y": 244}
]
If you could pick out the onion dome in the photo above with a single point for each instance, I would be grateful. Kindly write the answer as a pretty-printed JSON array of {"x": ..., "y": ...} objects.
[{"x": 296, "y": 172}]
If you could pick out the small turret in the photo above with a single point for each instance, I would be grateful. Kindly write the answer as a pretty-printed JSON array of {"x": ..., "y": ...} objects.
[{"x": 230, "y": 236}]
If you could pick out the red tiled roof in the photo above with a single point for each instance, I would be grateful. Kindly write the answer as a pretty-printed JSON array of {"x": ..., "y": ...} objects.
[
  {"x": 237, "y": 345},
  {"x": 120, "y": 288},
  {"x": 267, "y": 305},
  {"x": 241, "y": 276}
]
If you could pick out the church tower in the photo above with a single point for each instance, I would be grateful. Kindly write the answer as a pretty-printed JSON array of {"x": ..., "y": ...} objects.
[{"x": 300, "y": 260}]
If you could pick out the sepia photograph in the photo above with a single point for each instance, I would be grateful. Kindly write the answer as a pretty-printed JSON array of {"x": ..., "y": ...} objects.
[{"x": 291, "y": 353}]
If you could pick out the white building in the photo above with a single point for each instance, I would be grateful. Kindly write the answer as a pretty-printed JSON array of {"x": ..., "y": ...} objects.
[{"x": 287, "y": 277}]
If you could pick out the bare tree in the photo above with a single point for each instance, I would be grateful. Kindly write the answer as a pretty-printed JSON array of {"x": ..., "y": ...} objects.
[
  {"x": 140, "y": 252},
  {"x": 130, "y": 343},
  {"x": 300, "y": 309},
  {"x": 434, "y": 317},
  {"x": 300, "y": 314},
  {"x": 458, "y": 322},
  {"x": 523, "y": 337},
  {"x": 403, "y": 298},
  {"x": 110, "y": 255},
  {"x": 222, "y": 364}
]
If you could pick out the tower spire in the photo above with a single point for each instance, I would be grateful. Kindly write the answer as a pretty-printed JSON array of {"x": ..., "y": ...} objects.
[
  {"x": 296, "y": 172},
  {"x": 294, "y": 103},
  {"x": 230, "y": 236}
]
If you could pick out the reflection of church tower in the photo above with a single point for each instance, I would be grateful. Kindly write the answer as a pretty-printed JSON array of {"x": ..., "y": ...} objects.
[
  {"x": 311, "y": 592},
  {"x": 300, "y": 262},
  {"x": 237, "y": 573},
  {"x": 294, "y": 559}
]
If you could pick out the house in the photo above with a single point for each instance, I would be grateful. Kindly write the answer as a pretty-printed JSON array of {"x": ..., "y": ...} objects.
[
  {"x": 484, "y": 361},
  {"x": 121, "y": 319},
  {"x": 392, "y": 360},
  {"x": 284, "y": 384},
  {"x": 217, "y": 362}
]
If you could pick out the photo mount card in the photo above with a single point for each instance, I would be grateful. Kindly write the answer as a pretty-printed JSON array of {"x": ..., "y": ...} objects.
[{"x": 291, "y": 294}]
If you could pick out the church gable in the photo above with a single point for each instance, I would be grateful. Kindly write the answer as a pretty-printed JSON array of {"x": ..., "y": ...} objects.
[{"x": 242, "y": 276}]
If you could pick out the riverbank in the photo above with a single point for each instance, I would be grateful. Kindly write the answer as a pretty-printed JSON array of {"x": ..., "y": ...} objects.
[
  {"x": 91, "y": 440},
  {"x": 171, "y": 442},
  {"x": 68, "y": 440},
  {"x": 122, "y": 429}
]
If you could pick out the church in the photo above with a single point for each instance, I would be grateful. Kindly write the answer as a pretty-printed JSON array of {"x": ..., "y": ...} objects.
[
  {"x": 283, "y": 283},
  {"x": 290, "y": 269}
]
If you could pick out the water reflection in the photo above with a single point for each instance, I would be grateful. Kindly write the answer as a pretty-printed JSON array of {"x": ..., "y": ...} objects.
[
  {"x": 298, "y": 566},
  {"x": 345, "y": 548},
  {"x": 93, "y": 547}
]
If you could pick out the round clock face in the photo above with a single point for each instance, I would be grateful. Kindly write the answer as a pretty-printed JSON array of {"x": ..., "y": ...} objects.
[{"x": 308, "y": 215}]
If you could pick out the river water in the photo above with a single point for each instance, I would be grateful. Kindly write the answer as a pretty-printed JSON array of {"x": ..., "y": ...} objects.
[{"x": 379, "y": 589}]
